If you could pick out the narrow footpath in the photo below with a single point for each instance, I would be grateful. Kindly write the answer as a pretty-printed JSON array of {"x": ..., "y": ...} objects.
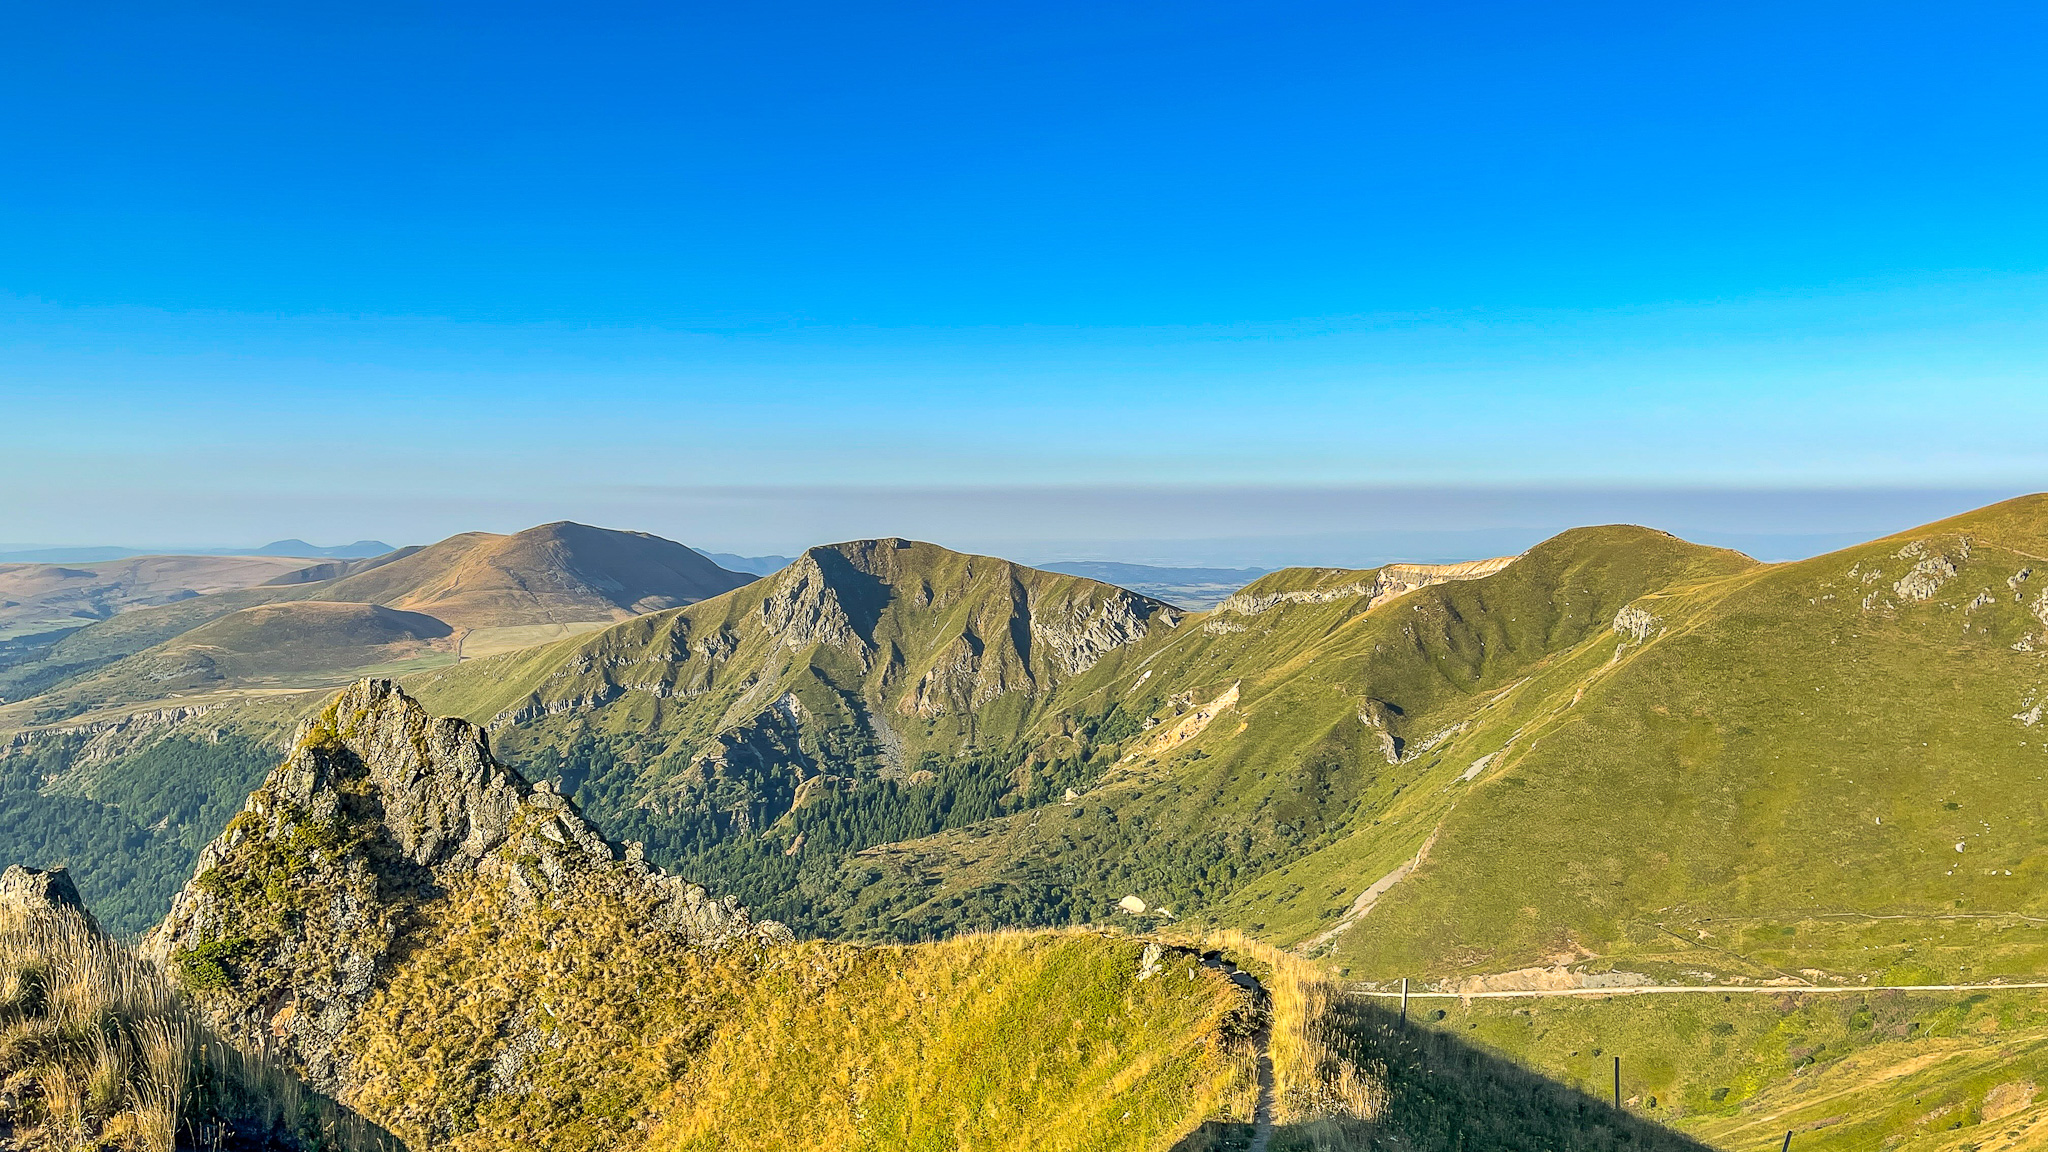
[
  {"x": 1667, "y": 989},
  {"x": 1262, "y": 1041}
]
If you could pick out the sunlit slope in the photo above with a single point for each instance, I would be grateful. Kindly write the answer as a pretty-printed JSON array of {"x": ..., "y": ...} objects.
[
  {"x": 50, "y": 597},
  {"x": 941, "y": 648},
  {"x": 857, "y": 658},
  {"x": 460, "y": 956},
  {"x": 287, "y": 644},
  {"x": 1283, "y": 722},
  {"x": 555, "y": 573},
  {"x": 489, "y": 587},
  {"x": 1844, "y": 1072},
  {"x": 1832, "y": 765}
]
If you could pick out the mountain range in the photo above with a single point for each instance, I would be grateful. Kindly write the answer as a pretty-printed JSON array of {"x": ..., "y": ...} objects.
[{"x": 1616, "y": 761}]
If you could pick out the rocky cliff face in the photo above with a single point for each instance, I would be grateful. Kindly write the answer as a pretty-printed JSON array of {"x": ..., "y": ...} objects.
[{"x": 381, "y": 819}]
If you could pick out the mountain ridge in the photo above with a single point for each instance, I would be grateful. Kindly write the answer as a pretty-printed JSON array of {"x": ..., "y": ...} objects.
[{"x": 391, "y": 871}]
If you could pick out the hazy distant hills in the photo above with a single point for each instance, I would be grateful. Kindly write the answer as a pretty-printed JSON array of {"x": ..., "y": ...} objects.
[
  {"x": 94, "y": 554},
  {"x": 758, "y": 565},
  {"x": 488, "y": 591},
  {"x": 42, "y": 598},
  {"x": 1183, "y": 587}
]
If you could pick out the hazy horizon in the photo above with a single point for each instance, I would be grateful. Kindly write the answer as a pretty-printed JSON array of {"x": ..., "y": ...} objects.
[{"x": 1273, "y": 527}]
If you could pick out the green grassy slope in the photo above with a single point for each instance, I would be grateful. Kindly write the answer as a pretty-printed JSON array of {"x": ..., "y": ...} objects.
[
  {"x": 301, "y": 644},
  {"x": 1319, "y": 756},
  {"x": 1828, "y": 765},
  {"x": 1895, "y": 1070},
  {"x": 101, "y": 644}
]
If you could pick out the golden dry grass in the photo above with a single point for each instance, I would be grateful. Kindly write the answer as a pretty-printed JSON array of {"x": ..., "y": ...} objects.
[
  {"x": 99, "y": 1049},
  {"x": 1025, "y": 1041}
]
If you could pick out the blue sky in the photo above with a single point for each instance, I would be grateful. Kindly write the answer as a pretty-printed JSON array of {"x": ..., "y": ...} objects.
[{"x": 1219, "y": 283}]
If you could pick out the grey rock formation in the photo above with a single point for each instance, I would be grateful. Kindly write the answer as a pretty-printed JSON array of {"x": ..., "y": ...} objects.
[
  {"x": 804, "y": 609},
  {"x": 306, "y": 899},
  {"x": 38, "y": 892},
  {"x": 1081, "y": 631},
  {"x": 1925, "y": 579},
  {"x": 1633, "y": 621}
]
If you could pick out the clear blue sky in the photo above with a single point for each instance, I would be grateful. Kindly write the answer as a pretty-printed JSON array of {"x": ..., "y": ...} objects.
[{"x": 753, "y": 275}]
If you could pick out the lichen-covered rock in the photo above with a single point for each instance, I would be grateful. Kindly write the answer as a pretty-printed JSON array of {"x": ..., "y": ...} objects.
[
  {"x": 1925, "y": 579},
  {"x": 381, "y": 814}
]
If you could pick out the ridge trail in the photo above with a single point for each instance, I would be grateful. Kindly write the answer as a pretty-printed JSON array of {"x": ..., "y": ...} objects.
[{"x": 1653, "y": 989}]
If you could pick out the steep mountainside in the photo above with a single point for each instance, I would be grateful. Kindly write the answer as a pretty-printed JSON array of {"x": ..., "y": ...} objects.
[
  {"x": 1825, "y": 769},
  {"x": 1303, "y": 714},
  {"x": 1619, "y": 755},
  {"x": 461, "y": 957},
  {"x": 862, "y": 675}
]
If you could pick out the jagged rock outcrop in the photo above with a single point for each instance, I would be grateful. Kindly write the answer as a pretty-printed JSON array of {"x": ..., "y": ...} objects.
[
  {"x": 1080, "y": 631},
  {"x": 804, "y": 609},
  {"x": 326, "y": 879},
  {"x": 36, "y": 892},
  {"x": 1634, "y": 622}
]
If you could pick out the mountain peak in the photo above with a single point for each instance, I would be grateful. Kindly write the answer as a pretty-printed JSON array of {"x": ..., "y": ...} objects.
[{"x": 380, "y": 816}]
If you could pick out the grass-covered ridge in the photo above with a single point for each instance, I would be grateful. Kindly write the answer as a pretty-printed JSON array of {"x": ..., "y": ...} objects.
[
  {"x": 458, "y": 956},
  {"x": 1810, "y": 771},
  {"x": 1331, "y": 710}
]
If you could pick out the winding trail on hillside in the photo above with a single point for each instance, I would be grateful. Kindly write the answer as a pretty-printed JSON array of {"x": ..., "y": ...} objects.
[{"x": 1724, "y": 989}]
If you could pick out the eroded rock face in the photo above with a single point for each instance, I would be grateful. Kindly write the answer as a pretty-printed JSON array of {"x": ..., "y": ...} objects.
[
  {"x": 35, "y": 891},
  {"x": 299, "y": 910},
  {"x": 804, "y": 609},
  {"x": 1080, "y": 633}
]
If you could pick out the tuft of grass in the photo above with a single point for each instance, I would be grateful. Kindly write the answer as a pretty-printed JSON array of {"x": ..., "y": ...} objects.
[{"x": 111, "y": 1054}]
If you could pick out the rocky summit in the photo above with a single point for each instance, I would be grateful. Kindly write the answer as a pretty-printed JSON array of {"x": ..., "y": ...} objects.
[{"x": 326, "y": 880}]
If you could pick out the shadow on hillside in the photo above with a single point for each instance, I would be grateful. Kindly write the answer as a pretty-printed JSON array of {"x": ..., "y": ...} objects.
[{"x": 1446, "y": 1095}]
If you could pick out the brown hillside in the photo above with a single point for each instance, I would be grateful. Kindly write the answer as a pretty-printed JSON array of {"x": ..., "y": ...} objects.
[
  {"x": 554, "y": 574},
  {"x": 37, "y": 597}
]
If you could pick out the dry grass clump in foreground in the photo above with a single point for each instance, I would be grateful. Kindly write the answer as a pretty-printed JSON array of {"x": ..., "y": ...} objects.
[{"x": 98, "y": 1049}]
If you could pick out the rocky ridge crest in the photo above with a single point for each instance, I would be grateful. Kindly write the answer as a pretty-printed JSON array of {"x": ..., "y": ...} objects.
[{"x": 299, "y": 911}]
